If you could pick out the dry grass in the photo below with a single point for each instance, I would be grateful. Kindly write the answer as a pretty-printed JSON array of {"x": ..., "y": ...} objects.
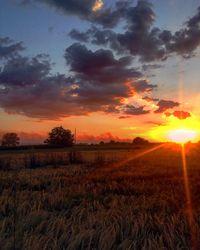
[{"x": 96, "y": 203}]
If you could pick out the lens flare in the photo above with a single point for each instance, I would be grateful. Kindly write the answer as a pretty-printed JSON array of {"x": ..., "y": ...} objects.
[
  {"x": 189, "y": 207},
  {"x": 182, "y": 135}
]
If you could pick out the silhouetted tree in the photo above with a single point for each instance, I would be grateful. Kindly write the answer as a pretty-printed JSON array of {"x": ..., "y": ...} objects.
[
  {"x": 140, "y": 141},
  {"x": 10, "y": 140},
  {"x": 60, "y": 137}
]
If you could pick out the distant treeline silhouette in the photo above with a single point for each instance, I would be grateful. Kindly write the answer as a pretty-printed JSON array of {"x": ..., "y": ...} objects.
[{"x": 58, "y": 137}]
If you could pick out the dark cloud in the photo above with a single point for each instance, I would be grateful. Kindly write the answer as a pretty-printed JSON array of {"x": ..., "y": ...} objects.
[
  {"x": 186, "y": 40},
  {"x": 151, "y": 43},
  {"x": 101, "y": 78},
  {"x": 24, "y": 71},
  {"x": 79, "y": 36},
  {"x": 71, "y": 7},
  {"x": 9, "y": 49},
  {"x": 145, "y": 41},
  {"x": 164, "y": 105},
  {"x": 100, "y": 37},
  {"x": 107, "y": 17},
  {"x": 143, "y": 86},
  {"x": 140, "y": 38},
  {"x": 132, "y": 110},
  {"x": 48, "y": 98},
  {"x": 147, "y": 67},
  {"x": 99, "y": 66},
  {"x": 97, "y": 82},
  {"x": 94, "y": 35}
]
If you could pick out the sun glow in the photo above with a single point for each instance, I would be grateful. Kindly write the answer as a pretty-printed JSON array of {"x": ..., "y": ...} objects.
[
  {"x": 182, "y": 135},
  {"x": 176, "y": 130}
]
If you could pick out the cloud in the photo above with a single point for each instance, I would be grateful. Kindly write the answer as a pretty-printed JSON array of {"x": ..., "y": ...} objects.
[
  {"x": 31, "y": 138},
  {"x": 124, "y": 117},
  {"x": 79, "y": 36},
  {"x": 132, "y": 110},
  {"x": 164, "y": 105},
  {"x": 155, "y": 123},
  {"x": 149, "y": 99},
  {"x": 106, "y": 137},
  {"x": 101, "y": 78},
  {"x": 90, "y": 10},
  {"x": 181, "y": 115},
  {"x": 49, "y": 98},
  {"x": 9, "y": 49},
  {"x": 98, "y": 36},
  {"x": 141, "y": 38},
  {"x": 25, "y": 71},
  {"x": 100, "y": 66},
  {"x": 185, "y": 41},
  {"x": 148, "y": 67},
  {"x": 29, "y": 88},
  {"x": 27, "y": 138},
  {"x": 72, "y": 7},
  {"x": 98, "y": 5},
  {"x": 143, "y": 86},
  {"x": 151, "y": 43},
  {"x": 97, "y": 82}
]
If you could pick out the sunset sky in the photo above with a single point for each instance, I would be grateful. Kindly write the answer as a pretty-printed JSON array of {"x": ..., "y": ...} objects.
[{"x": 111, "y": 69}]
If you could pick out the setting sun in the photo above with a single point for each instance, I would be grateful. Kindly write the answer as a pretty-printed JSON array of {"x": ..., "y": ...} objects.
[{"x": 182, "y": 135}]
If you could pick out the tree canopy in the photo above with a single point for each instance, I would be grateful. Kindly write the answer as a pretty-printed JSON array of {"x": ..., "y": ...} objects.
[
  {"x": 10, "y": 140},
  {"x": 60, "y": 137},
  {"x": 140, "y": 141}
]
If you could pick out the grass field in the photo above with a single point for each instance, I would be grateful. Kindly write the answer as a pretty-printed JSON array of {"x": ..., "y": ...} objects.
[{"x": 106, "y": 199}]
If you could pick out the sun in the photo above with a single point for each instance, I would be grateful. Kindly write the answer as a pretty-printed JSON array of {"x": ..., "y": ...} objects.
[
  {"x": 175, "y": 130},
  {"x": 182, "y": 135}
]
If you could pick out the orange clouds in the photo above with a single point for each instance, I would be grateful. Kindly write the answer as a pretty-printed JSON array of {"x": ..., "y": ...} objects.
[{"x": 106, "y": 137}]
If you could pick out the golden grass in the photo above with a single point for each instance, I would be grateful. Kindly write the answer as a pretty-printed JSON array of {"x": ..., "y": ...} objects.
[{"x": 140, "y": 204}]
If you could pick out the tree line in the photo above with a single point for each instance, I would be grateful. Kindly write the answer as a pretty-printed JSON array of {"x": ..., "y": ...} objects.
[{"x": 58, "y": 136}]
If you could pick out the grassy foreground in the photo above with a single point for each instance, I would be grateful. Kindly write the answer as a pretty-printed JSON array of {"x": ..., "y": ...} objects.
[{"x": 96, "y": 202}]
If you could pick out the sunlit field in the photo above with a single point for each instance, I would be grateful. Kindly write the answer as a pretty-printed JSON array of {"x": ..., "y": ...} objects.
[{"x": 114, "y": 199}]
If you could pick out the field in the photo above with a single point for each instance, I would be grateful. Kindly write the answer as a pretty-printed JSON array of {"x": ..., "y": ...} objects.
[{"x": 137, "y": 198}]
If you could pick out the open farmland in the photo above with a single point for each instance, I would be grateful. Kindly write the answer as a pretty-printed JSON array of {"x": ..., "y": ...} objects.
[{"x": 100, "y": 199}]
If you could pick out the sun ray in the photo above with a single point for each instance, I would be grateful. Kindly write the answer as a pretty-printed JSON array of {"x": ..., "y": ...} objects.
[
  {"x": 122, "y": 164},
  {"x": 189, "y": 207}
]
